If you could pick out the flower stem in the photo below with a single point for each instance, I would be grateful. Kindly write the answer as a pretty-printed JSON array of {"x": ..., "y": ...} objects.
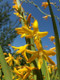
[{"x": 38, "y": 73}]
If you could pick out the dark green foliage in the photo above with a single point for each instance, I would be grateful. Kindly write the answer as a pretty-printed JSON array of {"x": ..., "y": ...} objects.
[
  {"x": 6, "y": 37},
  {"x": 5, "y": 10},
  {"x": 7, "y": 30}
]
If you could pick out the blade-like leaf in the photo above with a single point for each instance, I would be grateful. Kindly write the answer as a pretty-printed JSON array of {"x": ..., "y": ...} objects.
[
  {"x": 56, "y": 38},
  {"x": 5, "y": 68}
]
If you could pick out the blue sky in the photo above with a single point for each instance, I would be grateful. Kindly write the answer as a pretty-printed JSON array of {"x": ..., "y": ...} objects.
[{"x": 44, "y": 25}]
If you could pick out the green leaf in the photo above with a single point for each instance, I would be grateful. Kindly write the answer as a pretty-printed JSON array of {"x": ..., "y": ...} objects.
[
  {"x": 56, "y": 38},
  {"x": 5, "y": 68}
]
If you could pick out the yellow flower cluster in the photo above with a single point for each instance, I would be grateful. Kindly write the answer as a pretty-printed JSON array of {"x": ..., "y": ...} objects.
[
  {"x": 52, "y": 68},
  {"x": 22, "y": 72},
  {"x": 40, "y": 54}
]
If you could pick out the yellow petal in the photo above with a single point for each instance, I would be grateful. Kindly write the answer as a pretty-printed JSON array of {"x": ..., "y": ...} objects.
[
  {"x": 17, "y": 62},
  {"x": 54, "y": 48},
  {"x": 19, "y": 30},
  {"x": 45, "y": 17},
  {"x": 44, "y": 4},
  {"x": 42, "y": 34},
  {"x": 10, "y": 55},
  {"x": 15, "y": 48},
  {"x": 26, "y": 75},
  {"x": 8, "y": 60},
  {"x": 30, "y": 68},
  {"x": 10, "y": 63},
  {"x": 30, "y": 51},
  {"x": 32, "y": 58},
  {"x": 51, "y": 61},
  {"x": 24, "y": 55},
  {"x": 48, "y": 59},
  {"x": 15, "y": 6},
  {"x": 49, "y": 69},
  {"x": 24, "y": 69},
  {"x": 52, "y": 38},
  {"x": 35, "y": 25},
  {"x": 23, "y": 35},
  {"x": 21, "y": 49},
  {"x": 16, "y": 71},
  {"x": 17, "y": 14},
  {"x": 40, "y": 62},
  {"x": 38, "y": 44},
  {"x": 27, "y": 31},
  {"x": 49, "y": 52}
]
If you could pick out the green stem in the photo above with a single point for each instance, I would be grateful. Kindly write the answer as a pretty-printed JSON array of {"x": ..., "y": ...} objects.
[
  {"x": 38, "y": 73},
  {"x": 56, "y": 38},
  {"x": 5, "y": 68}
]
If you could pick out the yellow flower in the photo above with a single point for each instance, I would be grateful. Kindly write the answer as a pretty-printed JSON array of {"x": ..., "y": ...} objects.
[
  {"x": 16, "y": 71},
  {"x": 44, "y": 4},
  {"x": 52, "y": 38},
  {"x": 18, "y": 74},
  {"x": 51, "y": 68},
  {"x": 40, "y": 54},
  {"x": 23, "y": 71},
  {"x": 26, "y": 70},
  {"x": 45, "y": 17},
  {"x": 21, "y": 31},
  {"x": 17, "y": 60},
  {"x": 16, "y": 7},
  {"x": 21, "y": 50},
  {"x": 9, "y": 59},
  {"x": 28, "y": 33}
]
